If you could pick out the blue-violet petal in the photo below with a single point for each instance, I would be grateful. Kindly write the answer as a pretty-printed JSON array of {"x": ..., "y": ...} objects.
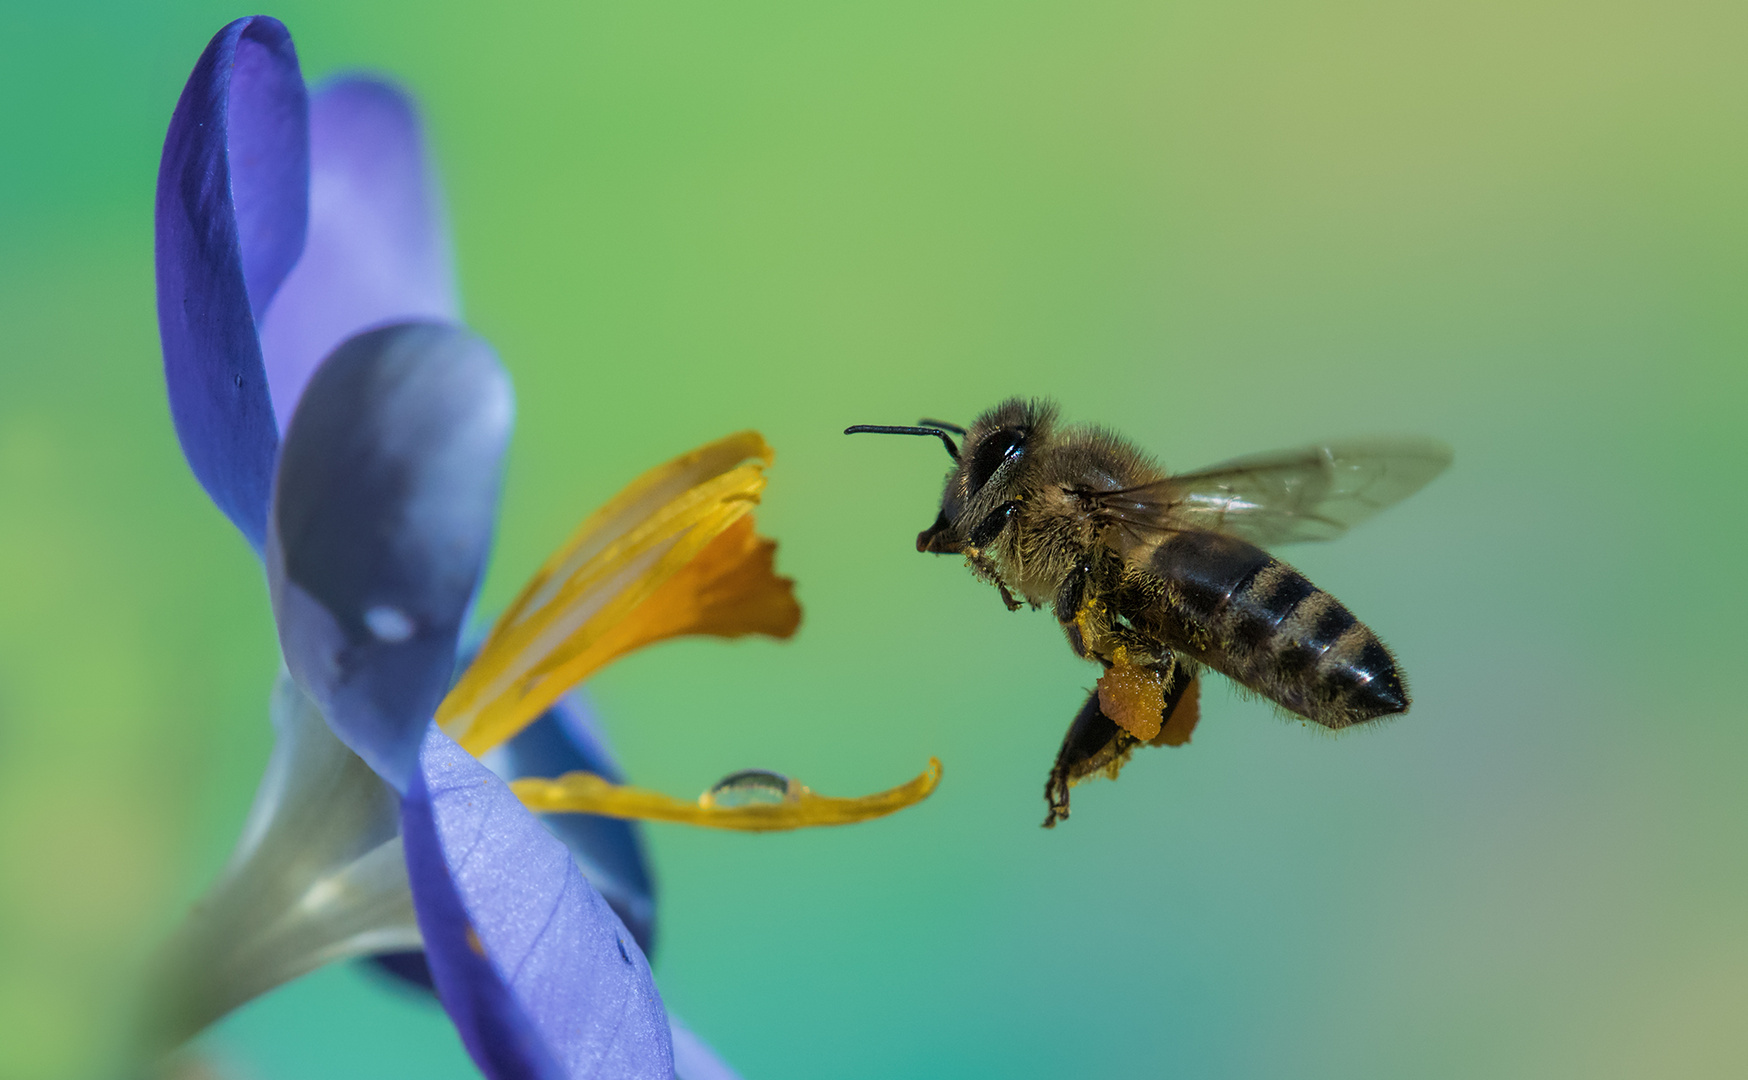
[
  {"x": 378, "y": 246},
  {"x": 232, "y": 207},
  {"x": 382, "y": 516},
  {"x": 539, "y": 976},
  {"x": 610, "y": 851}
]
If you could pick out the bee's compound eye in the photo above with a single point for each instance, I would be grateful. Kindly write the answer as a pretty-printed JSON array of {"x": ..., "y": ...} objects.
[{"x": 992, "y": 452}]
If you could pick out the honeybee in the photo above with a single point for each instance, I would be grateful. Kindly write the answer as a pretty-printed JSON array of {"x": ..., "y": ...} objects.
[{"x": 1156, "y": 576}]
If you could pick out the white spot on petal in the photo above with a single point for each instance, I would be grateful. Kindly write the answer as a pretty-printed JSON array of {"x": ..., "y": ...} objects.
[{"x": 389, "y": 624}]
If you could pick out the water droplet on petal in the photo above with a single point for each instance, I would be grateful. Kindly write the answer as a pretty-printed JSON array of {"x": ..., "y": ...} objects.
[
  {"x": 389, "y": 624},
  {"x": 752, "y": 787}
]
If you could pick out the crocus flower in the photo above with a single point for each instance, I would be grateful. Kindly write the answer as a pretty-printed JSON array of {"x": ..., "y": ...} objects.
[{"x": 332, "y": 404}]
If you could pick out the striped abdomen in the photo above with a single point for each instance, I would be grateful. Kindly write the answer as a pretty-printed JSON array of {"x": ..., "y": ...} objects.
[{"x": 1256, "y": 620}]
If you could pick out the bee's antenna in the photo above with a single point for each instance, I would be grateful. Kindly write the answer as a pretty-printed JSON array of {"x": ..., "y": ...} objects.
[
  {"x": 880, "y": 429},
  {"x": 954, "y": 428}
]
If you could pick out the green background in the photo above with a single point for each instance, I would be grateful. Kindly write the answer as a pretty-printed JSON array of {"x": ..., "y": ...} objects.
[{"x": 1517, "y": 225}]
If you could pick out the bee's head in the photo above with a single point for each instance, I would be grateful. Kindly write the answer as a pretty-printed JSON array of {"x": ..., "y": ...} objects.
[
  {"x": 986, "y": 468},
  {"x": 990, "y": 469}
]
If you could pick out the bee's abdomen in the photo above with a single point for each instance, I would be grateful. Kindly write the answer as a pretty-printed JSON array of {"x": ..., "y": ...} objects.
[{"x": 1257, "y": 620}]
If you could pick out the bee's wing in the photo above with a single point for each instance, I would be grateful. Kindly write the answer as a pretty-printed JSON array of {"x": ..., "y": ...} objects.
[{"x": 1313, "y": 493}]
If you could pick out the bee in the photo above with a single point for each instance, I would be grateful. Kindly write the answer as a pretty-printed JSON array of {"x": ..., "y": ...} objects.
[{"x": 1157, "y": 576}]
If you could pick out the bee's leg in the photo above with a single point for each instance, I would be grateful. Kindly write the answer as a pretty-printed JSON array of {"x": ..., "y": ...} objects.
[
  {"x": 1097, "y": 744},
  {"x": 1183, "y": 705},
  {"x": 1072, "y": 591},
  {"x": 986, "y": 570},
  {"x": 1070, "y": 595},
  {"x": 982, "y": 535},
  {"x": 1094, "y": 744},
  {"x": 985, "y": 531},
  {"x": 1121, "y": 634},
  {"x": 1083, "y": 609}
]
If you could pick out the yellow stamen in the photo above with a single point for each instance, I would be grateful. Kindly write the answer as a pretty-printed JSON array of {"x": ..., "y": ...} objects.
[
  {"x": 720, "y": 808},
  {"x": 584, "y": 607},
  {"x": 731, "y": 588},
  {"x": 674, "y": 553}
]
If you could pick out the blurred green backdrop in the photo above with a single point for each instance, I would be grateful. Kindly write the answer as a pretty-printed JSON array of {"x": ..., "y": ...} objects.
[{"x": 1219, "y": 227}]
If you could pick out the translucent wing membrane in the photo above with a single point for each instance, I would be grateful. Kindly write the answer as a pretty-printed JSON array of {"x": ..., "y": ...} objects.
[
  {"x": 1284, "y": 496},
  {"x": 587, "y": 605}
]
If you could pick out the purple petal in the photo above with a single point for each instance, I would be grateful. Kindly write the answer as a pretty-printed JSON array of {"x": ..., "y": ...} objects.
[
  {"x": 382, "y": 516},
  {"x": 609, "y": 851},
  {"x": 378, "y": 249},
  {"x": 538, "y": 974},
  {"x": 566, "y": 738},
  {"x": 232, "y": 205}
]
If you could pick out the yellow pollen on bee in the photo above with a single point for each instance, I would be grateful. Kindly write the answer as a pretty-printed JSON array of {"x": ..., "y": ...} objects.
[{"x": 1132, "y": 696}]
